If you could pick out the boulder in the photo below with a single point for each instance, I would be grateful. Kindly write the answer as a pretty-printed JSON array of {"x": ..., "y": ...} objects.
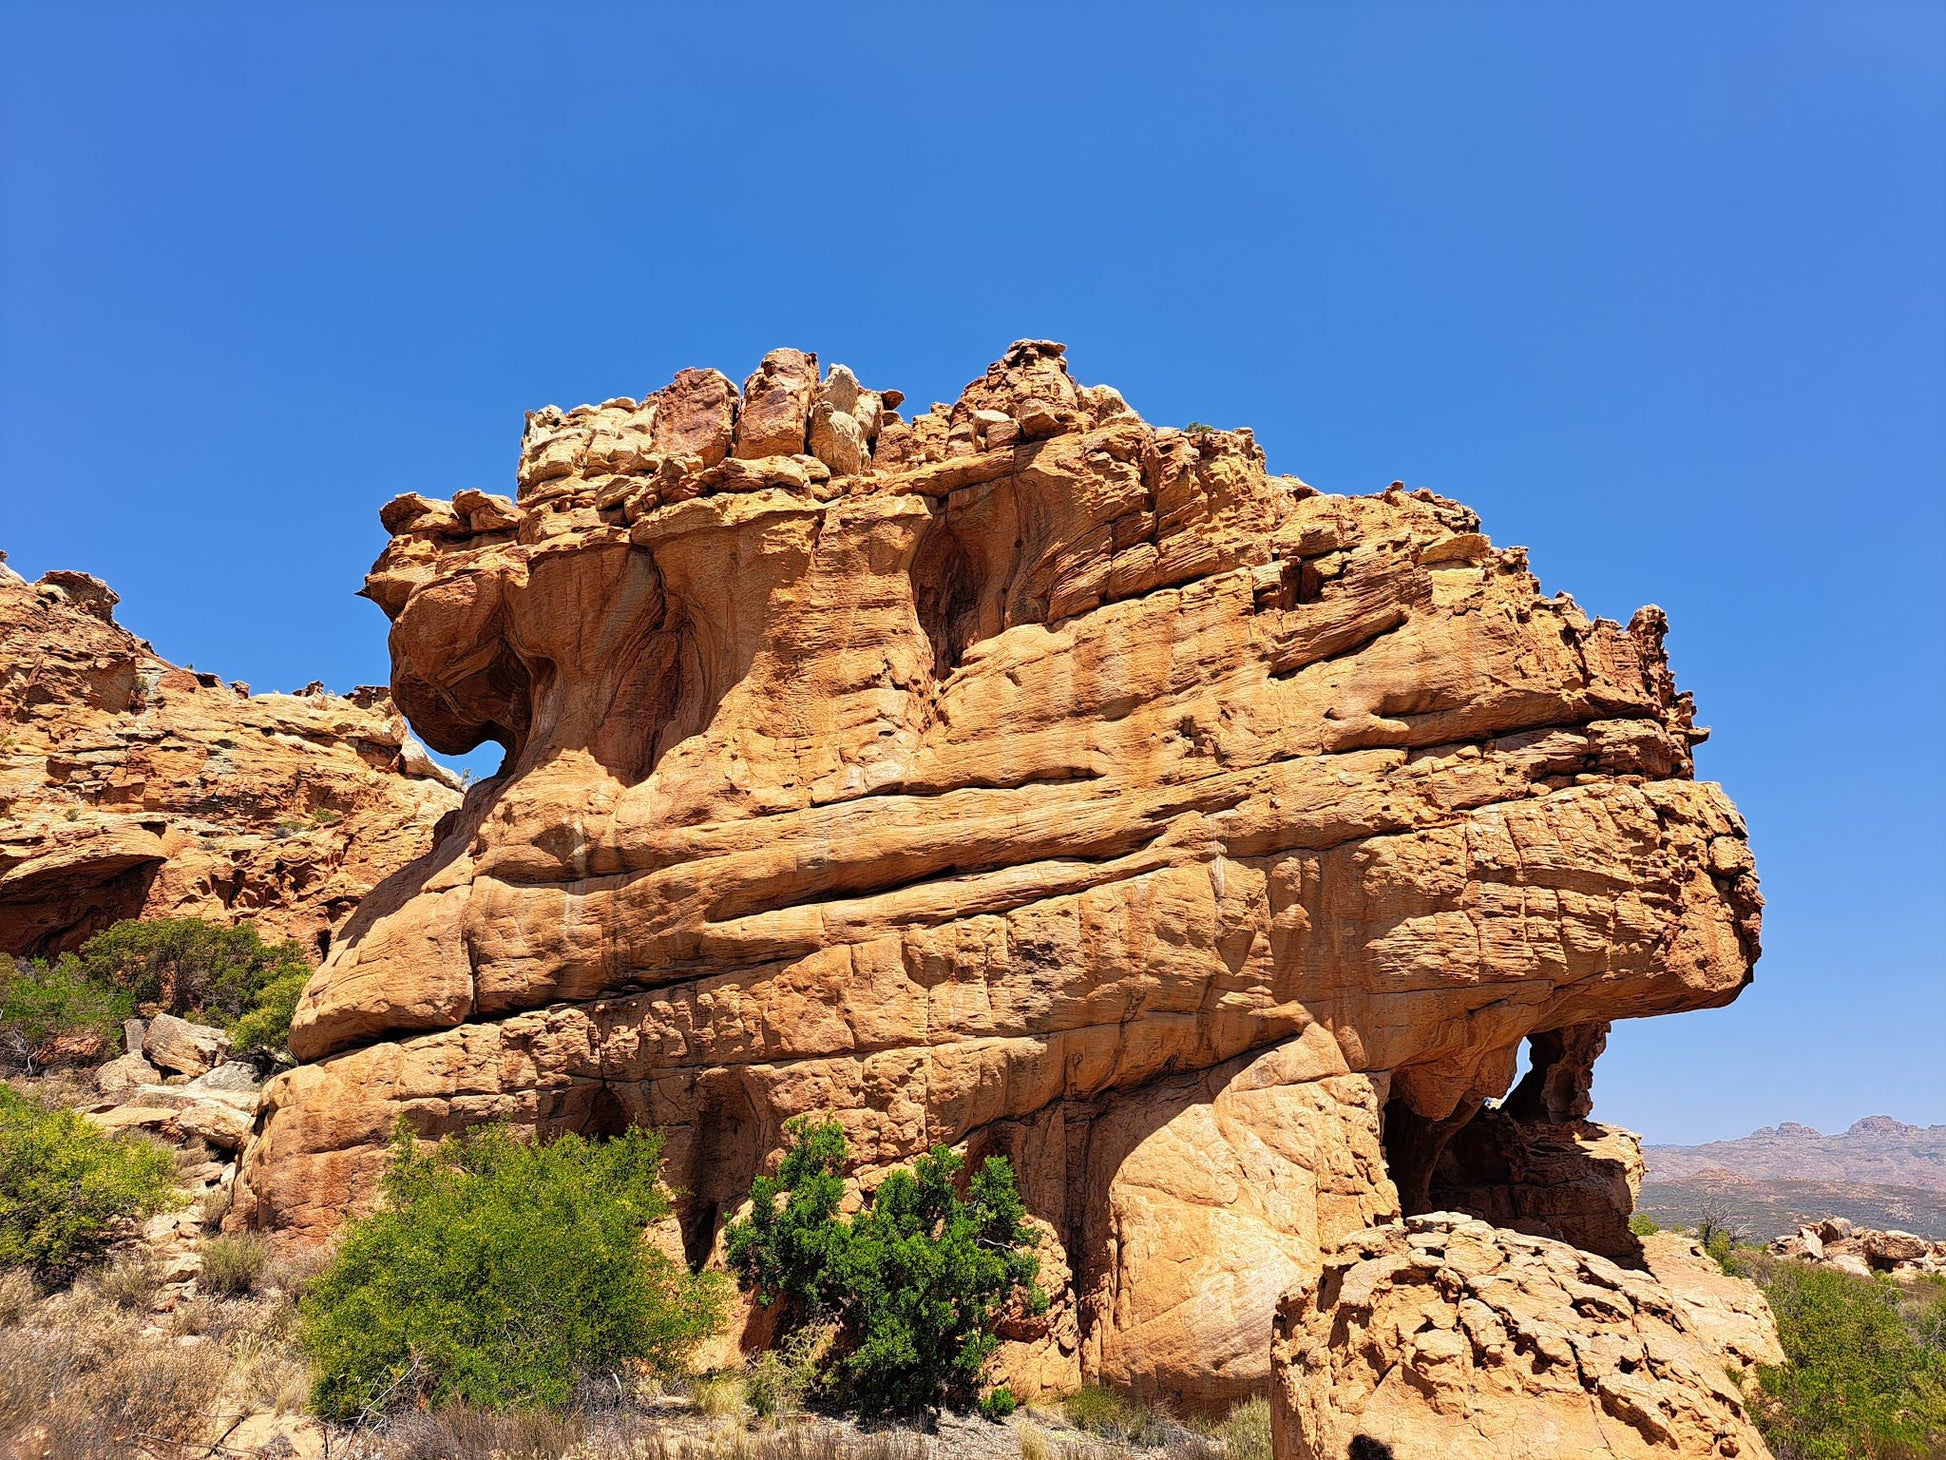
[
  {"x": 122, "y": 1075},
  {"x": 1730, "y": 1314},
  {"x": 236, "y": 1077},
  {"x": 1444, "y": 1337},
  {"x": 1043, "y": 783},
  {"x": 183, "y": 1048},
  {"x": 220, "y": 1123},
  {"x": 1889, "y": 1249}
]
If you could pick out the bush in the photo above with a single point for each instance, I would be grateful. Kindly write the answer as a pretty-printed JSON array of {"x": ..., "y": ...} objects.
[
  {"x": 1863, "y": 1379},
  {"x": 266, "y": 1029},
  {"x": 914, "y": 1281},
  {"x": 997, "y": 1403},
  {"x": 232, "y": 1266},
  {"x": 1644, "y": 1225},
  {"x": 498, "y": 1273},
  {"x": 52, "y": 1012},
  {"x": 67, "y": 1191},
  {"x": 191, "y": 966}
]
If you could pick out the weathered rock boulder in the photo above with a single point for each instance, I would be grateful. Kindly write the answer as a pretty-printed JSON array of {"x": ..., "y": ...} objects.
[
  {"x": 130, "y": 787},
  {"x": 183, "y": 1048},
  {"x": 1443, "y": 1336},
  {"x": 1023, "y": 777},
  {"x": 1730, "y": 1314},
  {"x": 1863, "y": 1251}
]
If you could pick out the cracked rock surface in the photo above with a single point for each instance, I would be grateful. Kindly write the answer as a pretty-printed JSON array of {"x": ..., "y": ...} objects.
[
  {"x": 1443, "y": 1336},
  {"x": 133, "y": 787},
  {"x": 1018, "y": 776}
]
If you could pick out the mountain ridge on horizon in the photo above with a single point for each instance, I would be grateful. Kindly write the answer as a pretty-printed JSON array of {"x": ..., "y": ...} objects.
[{"x": 1875, "y": 1149}]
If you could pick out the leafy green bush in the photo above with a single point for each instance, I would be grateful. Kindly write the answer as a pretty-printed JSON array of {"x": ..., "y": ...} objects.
[
  {"x": 499, "y": 1272},
  {"x": 1644, "y": 1225},
  {"x": 266, "y": 1028},
  {"x": 196, "y": 968},
  {"x": 44, "y": 1007},
  {"x": 914, "y": 1281},
  {"x": 1865, "y": 1379},
  {"x": 66, "y": 1190},
  {"x": 997, "y": 1403}
]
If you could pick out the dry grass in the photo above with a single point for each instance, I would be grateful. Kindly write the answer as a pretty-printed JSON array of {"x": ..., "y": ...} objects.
[
  {"x": 85, "y": 1377},
  {"x": 233, "y": 1266},
  {"x": 78, "y": 1377},
  {"x": 721, "y": 1396},
  {"x": 130, "y": 1281},
  {"x": 18, "y": 1295}
]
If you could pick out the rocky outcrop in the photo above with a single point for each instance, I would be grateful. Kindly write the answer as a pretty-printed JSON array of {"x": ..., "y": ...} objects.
[
  {"x": 1862, "y": 1251},
  {"x": 1443, "y": 1336},
  {"x": 1018, "y": 776},
  {"x": 130, "y": 787}
]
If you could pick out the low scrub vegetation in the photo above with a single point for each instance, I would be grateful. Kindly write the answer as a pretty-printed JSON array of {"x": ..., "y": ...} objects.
[
  {"x": 67, "y": 1191},
  {"x": 1867, "y": 1370},
  {"x": 498, "y": 1274},
  {"x": 70, "y": 1010},
  {"x": 910, "y": 1286}
]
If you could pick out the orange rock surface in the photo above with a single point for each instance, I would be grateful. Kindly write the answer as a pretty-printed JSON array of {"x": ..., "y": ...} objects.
[
  {"x": 130, "y": 787},
  {"x": 1443, "y": 1336},
  {"x": 1019, "y": 776}
]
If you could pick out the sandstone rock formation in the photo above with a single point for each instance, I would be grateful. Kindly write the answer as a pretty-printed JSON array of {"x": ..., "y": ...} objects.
[
  {"x": 1443, "y": 1336},
  {"x": 1023, "y": 777},
  {"x": 130, "y": 787},
  {"x": 1863, "y": 1251}
]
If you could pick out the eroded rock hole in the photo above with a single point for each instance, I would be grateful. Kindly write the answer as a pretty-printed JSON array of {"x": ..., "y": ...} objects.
[{"x": 946, "y": 591}]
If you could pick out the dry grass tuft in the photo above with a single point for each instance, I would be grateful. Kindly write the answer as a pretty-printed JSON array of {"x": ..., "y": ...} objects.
[{"x": 721, "y": 1396}]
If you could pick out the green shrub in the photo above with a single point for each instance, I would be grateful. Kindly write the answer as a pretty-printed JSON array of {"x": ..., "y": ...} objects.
[
  {"x": 1644, "y": 1225},
  {"x": 66, "y": 1190},
  {"x": 232, "y": 1266},
  {"x": 498, "y": 1272},
  {"x": 266, "y": 1028},
  {"x": 1862, "y": 1379},
  {"x": 914, "y": 1281},
  {"x": 206, "y": 971},
  {"x": 997, "y": 1403},
  {"x": 44, "y": 1006}
]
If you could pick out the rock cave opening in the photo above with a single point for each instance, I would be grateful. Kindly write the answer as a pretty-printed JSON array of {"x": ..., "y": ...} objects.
[{"x": 1532, "y": 1161}]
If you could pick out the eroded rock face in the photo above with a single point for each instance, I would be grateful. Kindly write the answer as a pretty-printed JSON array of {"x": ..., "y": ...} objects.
[
  {"x": 1018, "y": 776},
  {"x": 130, "y": 787},
  {"x": 1443, "y": 1336}
]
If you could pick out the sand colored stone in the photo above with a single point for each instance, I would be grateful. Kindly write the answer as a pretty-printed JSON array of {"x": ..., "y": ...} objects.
[
  {"x": 131, "y": 787},
  {"x": 1443, "y": 1336},
  {"x": 1018, "y": 776}
]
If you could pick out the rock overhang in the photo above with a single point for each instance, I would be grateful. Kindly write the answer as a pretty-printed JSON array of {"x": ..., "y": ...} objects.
[{"x": 1016, "y": 775}]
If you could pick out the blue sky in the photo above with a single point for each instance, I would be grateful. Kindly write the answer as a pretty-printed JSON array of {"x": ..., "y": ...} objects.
[{"x": 1660, "y": 291}]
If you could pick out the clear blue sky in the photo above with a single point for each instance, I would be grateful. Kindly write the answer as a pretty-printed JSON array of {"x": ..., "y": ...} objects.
[{"x": 1660, "y": 291}]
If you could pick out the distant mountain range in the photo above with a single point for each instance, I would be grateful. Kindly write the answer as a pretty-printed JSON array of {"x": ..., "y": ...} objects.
[
  {"x": 1877, "y": 1149},
  {"x": 1879, "y": 1173}
]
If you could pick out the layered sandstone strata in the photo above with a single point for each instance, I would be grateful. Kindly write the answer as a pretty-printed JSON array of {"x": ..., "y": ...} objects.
[
  {"x": 130, "y": 787},
  {"x": 1019, "y": 776},
  {"x": 1444, "y": 1336}
]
